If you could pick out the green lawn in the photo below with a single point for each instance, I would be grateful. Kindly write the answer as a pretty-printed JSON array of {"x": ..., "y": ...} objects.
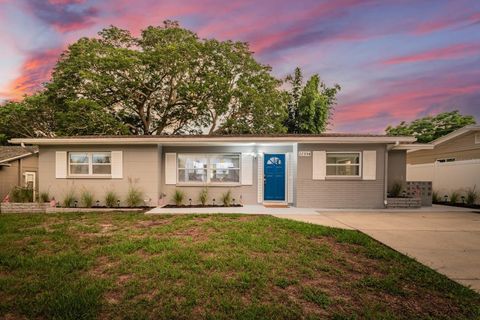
[{"x": 128, "y": 265}]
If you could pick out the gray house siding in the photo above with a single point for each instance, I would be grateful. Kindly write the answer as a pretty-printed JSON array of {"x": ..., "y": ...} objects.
[
  {"x": 140, "y": 165},
  {"x": 247, "y": 194},
  {"x": 145, "y": 164},
  {"x": 340, "y": 192}
]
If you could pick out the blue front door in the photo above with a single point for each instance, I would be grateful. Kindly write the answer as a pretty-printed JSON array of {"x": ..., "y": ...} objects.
[{"x": 274, "y": 176}]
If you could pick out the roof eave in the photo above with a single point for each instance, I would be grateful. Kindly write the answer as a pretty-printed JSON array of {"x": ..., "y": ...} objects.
[
  {"x": 18, "y": 157},
  {"x": 217, "y": 140}
]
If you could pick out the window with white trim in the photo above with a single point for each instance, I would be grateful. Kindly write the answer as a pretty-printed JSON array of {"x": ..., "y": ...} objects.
[
  {"x": 343, "y": 164},
  {"x": 89, "y": 164},
  {"x": 208, "y": 168}
]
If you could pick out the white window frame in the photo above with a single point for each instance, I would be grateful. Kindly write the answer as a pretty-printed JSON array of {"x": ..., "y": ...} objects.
[
  {"x": 209, "y": 169},
  {"x": 90, "y": 165},
  {"x": 360, "y": 163}
]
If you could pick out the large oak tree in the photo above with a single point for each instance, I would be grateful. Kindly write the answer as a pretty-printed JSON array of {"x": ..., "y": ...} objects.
[
  {"x": 169, "y": 81},
  {"x": 165, "y": 81}
]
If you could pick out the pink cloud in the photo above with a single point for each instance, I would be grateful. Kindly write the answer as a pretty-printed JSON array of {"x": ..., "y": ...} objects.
[
  {"x": 34, "y": 71},
  {"x": 446, "y": 22},
  {"x": 407, "y": 104},
  {"x": 450, "y": 52},
  {"x": 64, "y": 2}
]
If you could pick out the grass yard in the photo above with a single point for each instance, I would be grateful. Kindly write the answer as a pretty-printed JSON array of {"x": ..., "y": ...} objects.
[{"x": 127, "y": 265}]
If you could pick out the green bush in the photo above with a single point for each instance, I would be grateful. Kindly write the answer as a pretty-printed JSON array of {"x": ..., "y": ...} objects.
[
  {"x": 472, "y": 195},
  {"x": 435, "y": 197},
  {"x": 86, "y": 199},
  {"x": 203, "y": 197},
  {"x": 454, "y": 196},
  {"x": 134, "y": 196},
  {"x": 111, "y": 199},
  {"x": 396, "y": 189},
  {"x": 21, "y": 194},
  {"x": 178, "y": 197},
  {"x": 44, "y": 196},
  {"x": 227, "y": 198},
  {"x": 69, "y": 199}
]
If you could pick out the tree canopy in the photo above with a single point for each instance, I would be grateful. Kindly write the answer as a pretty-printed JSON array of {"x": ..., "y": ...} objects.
[
  {"x": 165, "y": 81},
  {"x": 429, "y": 128},
  {"x": 310, "y": 106}
]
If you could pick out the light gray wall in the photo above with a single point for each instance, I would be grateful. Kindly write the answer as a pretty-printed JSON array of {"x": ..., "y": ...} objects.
[
  {"x": 140, "y": 164},
  {"x": 340, "y": 193},
  {"x": 247, "y": 193},
  {"x": 397, "y": 167}
]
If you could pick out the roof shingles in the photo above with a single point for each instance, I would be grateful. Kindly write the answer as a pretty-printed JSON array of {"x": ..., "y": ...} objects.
[{"x": 9, "y": 152}]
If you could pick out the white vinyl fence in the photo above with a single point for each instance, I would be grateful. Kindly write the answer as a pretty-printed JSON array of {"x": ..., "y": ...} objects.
[{"x": 447, "y": 176}]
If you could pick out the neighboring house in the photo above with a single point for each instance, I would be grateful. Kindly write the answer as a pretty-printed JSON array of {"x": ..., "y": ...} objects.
[
  {"x": 323, "y": 171},
  {"x": 453, "y": 163},
  {"x": 18, "y": 167}
]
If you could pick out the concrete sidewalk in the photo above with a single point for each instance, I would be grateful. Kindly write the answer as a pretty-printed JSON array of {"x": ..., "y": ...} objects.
[{"x": 447, "y": 241}]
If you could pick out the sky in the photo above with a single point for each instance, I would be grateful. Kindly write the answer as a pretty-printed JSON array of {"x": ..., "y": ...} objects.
[{"x": 394, "y": 59}]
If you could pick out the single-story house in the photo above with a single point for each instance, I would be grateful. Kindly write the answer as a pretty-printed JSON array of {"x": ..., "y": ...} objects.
[
  {"x": 321, "y": 171},
  {"x": 18, "y": 167},
  {"x": 452, "y": 162}
]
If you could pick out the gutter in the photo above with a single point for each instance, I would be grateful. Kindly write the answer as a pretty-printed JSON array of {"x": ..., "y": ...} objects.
[{"x": 183, "y": 140}]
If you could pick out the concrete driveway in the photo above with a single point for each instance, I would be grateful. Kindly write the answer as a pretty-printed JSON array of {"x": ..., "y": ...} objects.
[{"x": 447, "y": 241}]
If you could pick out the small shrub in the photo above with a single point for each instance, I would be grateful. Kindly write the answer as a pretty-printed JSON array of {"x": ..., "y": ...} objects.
[
  {"x": 21, "y": 194},
  {"x": 178, "y": 197},
  {"x": 134, "y": 196},
  {"x": 435, "y": 197},
  {"x": 472, "y": 195},
  {"x": 86, "y": 199},
  {"x": 227, "y": 198},
  {"x": 69, "y": 199},
  {"x": 396, "y": 189},
  {"x": 454, "y": 196},
  {"x": 203, "y": 197},
  {"x": 111, "y": 199},
  {"x": 44, "y": 197}
]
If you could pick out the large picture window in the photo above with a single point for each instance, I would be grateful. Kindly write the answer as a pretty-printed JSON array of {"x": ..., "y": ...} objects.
[
  {"x": 343, "y": 164},
  {"x": 89, "y": 163},
  {"x": 214, "y": 168}
]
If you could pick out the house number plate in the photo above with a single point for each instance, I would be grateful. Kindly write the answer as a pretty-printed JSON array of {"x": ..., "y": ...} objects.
[{"x": 304, "y": 153}]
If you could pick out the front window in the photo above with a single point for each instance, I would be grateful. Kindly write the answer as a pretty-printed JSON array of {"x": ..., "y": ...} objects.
[
  {"x": 343, "y": 164},
  {"x": 89, "y": 163},
  {"x": 215, "y": 168}
]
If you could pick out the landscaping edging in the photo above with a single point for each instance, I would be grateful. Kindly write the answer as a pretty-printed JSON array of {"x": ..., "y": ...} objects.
[
  {"x": 35, "y": 207},
  {"x": 404, "y": 203},
  {"x": 27, "y": 207}
]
